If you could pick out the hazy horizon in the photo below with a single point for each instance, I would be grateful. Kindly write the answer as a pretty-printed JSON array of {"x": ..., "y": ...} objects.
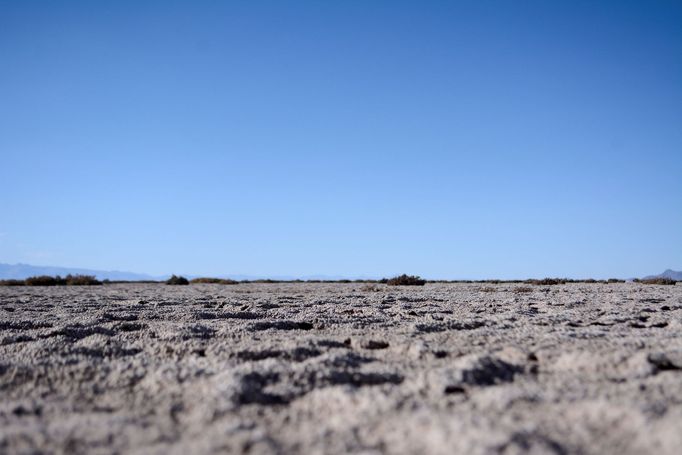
[
  {"x": 466, "y": 140},
  {"x": 22, "y": 271}
]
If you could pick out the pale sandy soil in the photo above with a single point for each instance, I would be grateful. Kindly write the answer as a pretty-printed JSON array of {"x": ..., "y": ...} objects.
[{"x": 320, "y": 368}]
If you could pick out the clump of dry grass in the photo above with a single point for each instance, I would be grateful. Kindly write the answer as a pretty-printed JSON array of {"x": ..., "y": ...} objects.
[
  {"x": 660, "y": 280},
  {"x": 213, "y": 281}
]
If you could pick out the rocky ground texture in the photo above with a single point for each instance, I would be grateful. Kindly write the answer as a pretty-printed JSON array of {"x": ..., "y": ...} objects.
[{"x": 341, "y": 368}]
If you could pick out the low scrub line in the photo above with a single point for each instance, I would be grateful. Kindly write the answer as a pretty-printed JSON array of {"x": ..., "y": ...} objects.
[
  {"x": 401, "y": 280},
  {"x": 46, "y": 280}
]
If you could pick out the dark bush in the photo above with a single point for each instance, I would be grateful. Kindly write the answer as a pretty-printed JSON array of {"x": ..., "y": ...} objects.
[
  {"x": 177, "y": 280},
  {"x": 213, "y": 281},
  {"x": 405, "y": 280},
  {"x": 12, "y": 282},
  {"x": 68, "y": 280},
  {"x": 82, "y": 280},
  {"x": 615, "y": 280},
  {"x": 660, "y": 280},
  {"x": 45, "y": 280}
]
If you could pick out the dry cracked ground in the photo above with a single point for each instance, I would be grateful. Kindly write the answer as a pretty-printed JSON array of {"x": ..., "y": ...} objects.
[{"x": 341, "y": 368}]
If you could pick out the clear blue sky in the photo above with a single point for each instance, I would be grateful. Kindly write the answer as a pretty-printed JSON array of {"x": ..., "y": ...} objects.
[{"x": 449, "y": 139}]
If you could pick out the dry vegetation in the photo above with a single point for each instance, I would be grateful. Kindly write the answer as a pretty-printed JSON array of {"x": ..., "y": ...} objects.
[
  {"x": 401, "y": 280},
  {"x": 177, "y": 280},
  {"x": 665, "y": 281},
  {"x": 406, "y": 280},
  {"x": 204, "y": 280},
  {"x": 45, "y": 280}
]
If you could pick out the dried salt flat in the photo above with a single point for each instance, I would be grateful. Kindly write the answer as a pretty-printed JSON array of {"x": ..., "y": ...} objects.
[{"x": 341, "y": 368}]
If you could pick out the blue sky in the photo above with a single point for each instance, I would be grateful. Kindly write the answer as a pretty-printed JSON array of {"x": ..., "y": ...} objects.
[{"x": 477, "y": 139}]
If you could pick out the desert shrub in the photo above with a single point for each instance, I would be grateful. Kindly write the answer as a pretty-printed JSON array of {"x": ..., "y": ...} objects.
[
  {"x": 82, "y": 280},
  {"x": 45, "y": 280},
  {"x": 177, "y": 280},
  {"x": 660, "y": 280},
  {"x": 549, "y": 281},
  {"x": 213, "y": 281},
  {"x": 406, "y": 280},
  {"x": 70, "y": 280},
  {"x": 12, "y": 282},
  {"x": 615, "y": 280}
]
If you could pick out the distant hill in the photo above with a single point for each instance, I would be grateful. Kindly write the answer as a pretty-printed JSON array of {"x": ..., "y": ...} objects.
[
  {"x": 672, "y": 274},
  {"x": 22, "y": 271}
]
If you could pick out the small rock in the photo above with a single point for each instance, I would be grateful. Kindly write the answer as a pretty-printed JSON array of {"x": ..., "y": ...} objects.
[
  {"x": 671, "y": 360},
  {"x": 375, "y": 344}
]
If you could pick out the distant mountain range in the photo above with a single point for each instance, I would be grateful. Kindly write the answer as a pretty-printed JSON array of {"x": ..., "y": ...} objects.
[
  {"x": 22, "y": 271},
  {"x": 672, "y": 274}
]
